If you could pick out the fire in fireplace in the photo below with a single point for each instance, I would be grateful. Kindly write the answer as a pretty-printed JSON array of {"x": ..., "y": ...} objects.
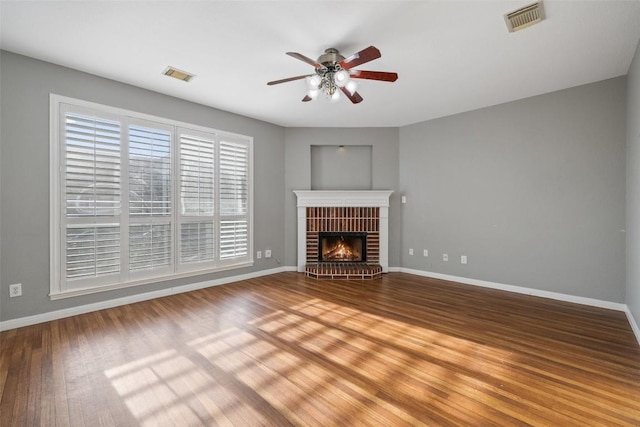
[{"x": 342, "y": 247}]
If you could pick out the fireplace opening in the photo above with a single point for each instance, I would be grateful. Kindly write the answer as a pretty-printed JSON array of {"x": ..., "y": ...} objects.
[{"x": 342, "y": 247}]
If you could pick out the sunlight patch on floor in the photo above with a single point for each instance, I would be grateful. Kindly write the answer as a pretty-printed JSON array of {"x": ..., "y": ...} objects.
[{"x": 168, "y": 388}]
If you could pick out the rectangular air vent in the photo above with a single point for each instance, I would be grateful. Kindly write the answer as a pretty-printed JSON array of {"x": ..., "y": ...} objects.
[
  {"x": 524, "y": 17},
  {"x": 177, "y": 74}
]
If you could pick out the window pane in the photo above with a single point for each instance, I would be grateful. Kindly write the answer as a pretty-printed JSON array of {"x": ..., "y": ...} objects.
[
  {"x": 92, "y": 251},
  {"x": 92, "y": 175},
  {"x": 149, "y": 172},
  {"x": 234, "y": 178},
  {"x": 149, "y": 246},
  {"x": 197, "y": 242},
  {"x": 233, "y": 239},
  {"x": 196, "y": 175}
]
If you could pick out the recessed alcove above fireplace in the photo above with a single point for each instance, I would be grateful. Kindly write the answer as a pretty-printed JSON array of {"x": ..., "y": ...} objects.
[
  {"x": 360, "y": 218},
  {"x": 340, "y": 167}
]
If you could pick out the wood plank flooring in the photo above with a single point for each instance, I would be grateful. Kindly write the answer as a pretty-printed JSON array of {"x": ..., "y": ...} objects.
[{"x": 288, "y": 350}]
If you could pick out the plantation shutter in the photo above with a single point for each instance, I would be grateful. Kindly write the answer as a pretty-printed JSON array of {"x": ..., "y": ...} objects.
[
  {"x": 233, "y": 239},
  {"x": 150, "y": 181},
  {"x": 234, "y": 199},
  {"x": 137, "y": 198},
  {"x": 92, "y": 197},
  {"x": 197, "y": 197}
]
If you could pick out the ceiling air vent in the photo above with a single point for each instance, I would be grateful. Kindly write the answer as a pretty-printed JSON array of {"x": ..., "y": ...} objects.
[
  {"x": 524, "y": 17},
  {"x": 177, "y": 74}
]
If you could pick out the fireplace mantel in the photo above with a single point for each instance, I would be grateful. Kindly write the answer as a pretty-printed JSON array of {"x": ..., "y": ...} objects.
[
  {"x": 350, "y": 198},
  {"x": 317, "y": 198}
]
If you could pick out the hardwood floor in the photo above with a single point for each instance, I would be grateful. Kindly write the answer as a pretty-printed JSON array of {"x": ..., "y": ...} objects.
[{"x": 287, "y": 350}]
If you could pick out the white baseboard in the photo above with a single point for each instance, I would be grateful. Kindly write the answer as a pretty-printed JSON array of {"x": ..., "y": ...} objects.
[
  {"x": 633, "y": 323},
  {"x": 67, "y": 312},
  {"x": 520, "y": 290}
]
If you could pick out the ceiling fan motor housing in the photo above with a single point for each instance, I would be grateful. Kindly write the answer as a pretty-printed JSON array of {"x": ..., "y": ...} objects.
[{"x": 330, "y": 59}]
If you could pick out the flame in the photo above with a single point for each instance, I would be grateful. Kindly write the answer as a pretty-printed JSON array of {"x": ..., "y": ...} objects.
[{"x": 341, "y": 251}]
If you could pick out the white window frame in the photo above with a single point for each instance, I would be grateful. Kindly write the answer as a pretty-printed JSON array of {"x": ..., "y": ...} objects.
[{"x": 58, "y": 287}]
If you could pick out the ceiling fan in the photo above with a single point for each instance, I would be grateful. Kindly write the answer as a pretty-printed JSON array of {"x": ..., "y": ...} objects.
[{"x": 334, "y": 74}]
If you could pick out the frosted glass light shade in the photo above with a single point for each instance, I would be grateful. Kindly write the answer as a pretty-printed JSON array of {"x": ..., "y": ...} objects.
[
  {"x": 341, "y": 78},
  {"x": 351, "y": 86},
  {"x": 313, "y": 81}
]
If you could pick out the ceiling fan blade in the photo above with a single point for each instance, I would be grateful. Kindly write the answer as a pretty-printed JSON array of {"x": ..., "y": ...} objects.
[
  {"x": 288, "y": 79},
  {"x": 355, "y": 97},
  {"x": 303, "y": 58},
  {"x": 374, "y": 75},
  {"x": 359, "y": 58},
  {"x": 306, "y": 98}
]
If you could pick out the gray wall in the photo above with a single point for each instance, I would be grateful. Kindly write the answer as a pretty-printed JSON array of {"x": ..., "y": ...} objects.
[
  {"x": 532, "y": 191},
  {"x": 633, "y": 187},
  {"x": 384, "y": 143},
  {"x": 336, "y": 167},
  {"x": 25, "y": 85}
]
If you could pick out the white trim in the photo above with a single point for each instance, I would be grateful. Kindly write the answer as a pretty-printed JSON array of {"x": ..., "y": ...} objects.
[
  {"x": 634, "y": 325},
  {"x": 356, "y": 198},
  {"x": 56, "y": 99},
  {"x": 143, "y": 281},
  {"x": 302, "y": 241},
  {"x": 54, "y": 194},
  {"x": 520, "y": 290},
  {"x": 87, "y": 308}
]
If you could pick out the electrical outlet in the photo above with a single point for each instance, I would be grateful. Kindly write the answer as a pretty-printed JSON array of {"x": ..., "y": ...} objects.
[
  {"x": 425, "y": 252},
  {"x": 410, "y": 251},
  {"x": 445, "y": 257},
  {"x": 267, "y": 253},
  {"x": 404, "y": 199},
  {"x": 15, "y": 290},
  {"x": 463, "y": 259},
  {"x": 259, "y": 254}
]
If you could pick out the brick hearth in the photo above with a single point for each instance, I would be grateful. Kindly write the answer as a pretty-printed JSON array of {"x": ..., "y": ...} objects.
[{"x": 343, "y": 270}]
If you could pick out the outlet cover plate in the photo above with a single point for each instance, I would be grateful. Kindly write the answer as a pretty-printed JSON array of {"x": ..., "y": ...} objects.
[{"x": 15, "y": 290}]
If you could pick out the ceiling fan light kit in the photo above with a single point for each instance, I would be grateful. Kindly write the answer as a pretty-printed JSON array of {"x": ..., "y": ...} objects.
[{"x": 334, "y": 74}]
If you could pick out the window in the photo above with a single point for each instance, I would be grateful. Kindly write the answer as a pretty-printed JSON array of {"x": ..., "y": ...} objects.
[{"x": 136, "y": 198}]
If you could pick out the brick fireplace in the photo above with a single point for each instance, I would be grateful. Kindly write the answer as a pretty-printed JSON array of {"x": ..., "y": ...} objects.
[{"x": 337, "y": 217}]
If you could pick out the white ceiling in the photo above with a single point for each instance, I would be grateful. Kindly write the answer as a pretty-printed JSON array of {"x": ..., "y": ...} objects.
[{"x": 451, "y": 56}]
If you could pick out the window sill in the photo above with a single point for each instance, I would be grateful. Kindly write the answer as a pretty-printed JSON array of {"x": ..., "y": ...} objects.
[{"x": 94, "y": 290}]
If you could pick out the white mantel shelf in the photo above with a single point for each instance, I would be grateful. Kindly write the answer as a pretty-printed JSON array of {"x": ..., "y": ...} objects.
[
  {"x": 350, "y": 198},
  {"x": 353, "y": 198}
]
